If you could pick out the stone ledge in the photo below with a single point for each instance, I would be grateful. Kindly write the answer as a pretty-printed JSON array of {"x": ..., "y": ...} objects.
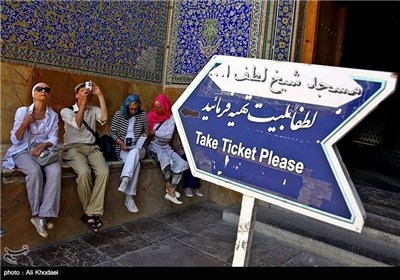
[
  {"x": 16, "y": 212},
  {"x": 9, "y": 176}
]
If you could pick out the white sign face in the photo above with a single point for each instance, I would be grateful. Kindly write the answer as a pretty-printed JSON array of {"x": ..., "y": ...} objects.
[
  {"x": 268, "y": 129},
  {"x": 328, "y": 87}
]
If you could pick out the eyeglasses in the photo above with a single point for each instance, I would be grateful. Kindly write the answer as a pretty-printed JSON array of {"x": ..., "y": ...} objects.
[
  {"x": 133, "y": 109},
  {"x": 39, "y": 89}
]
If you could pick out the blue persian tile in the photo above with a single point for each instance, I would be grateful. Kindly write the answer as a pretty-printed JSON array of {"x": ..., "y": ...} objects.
[
  {"x": 129, "y": 35},
  {"x": 282, "y": 40},
  {"x": 203, "y": 28}
]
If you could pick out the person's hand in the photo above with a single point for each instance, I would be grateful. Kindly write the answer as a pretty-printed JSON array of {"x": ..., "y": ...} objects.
[
  {"x": 95, "y": 89},
  {"x": 124, "y": 147},
  {"x": 38, "y": 149},
  {"x": 85, "y": 99},
  {"x": 122, "y": 144},
  {"x": 30, "y": 118}
]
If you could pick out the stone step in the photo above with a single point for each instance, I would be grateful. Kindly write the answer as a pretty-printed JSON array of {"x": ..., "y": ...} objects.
[
  {"x": 372, "y": 247},
  {"x": 382, "y": 219}
]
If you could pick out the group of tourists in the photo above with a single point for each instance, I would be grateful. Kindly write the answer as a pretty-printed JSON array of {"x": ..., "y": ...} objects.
[{"x": 135, "y": 134}]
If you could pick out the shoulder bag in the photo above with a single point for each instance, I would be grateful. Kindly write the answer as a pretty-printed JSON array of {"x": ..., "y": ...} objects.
[
  {"x": 105, "y": 142},
  {"x": 47, "y": 156}
]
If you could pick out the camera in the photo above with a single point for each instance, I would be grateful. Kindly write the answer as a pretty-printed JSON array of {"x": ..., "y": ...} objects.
[
  {"x": 88, "y": 85},
  {"x": 128, "y": 141}
]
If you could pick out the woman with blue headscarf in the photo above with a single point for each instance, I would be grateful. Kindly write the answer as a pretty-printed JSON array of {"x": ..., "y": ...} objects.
[{"x": 127, "y": 127}]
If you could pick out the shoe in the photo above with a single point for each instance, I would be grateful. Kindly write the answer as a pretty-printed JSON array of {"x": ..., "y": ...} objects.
[
  {"x": 49, "y": 224},
  {"x": 172, "y": 199},
  {"x": 197, "y": 191},
  {"x": 188, "y": 192},
  {"x": 130, "y": 204},
  {"x": 177, "y": 195},
  {"x": 90, "y": 222},
  {"x": 123, "y": 185},
  {"x": 40, "y": 225},
  {"x": 98, "y": 222}
]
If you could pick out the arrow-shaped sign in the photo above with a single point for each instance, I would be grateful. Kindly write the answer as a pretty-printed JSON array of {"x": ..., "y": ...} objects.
[{"x": 268, "y": 129}]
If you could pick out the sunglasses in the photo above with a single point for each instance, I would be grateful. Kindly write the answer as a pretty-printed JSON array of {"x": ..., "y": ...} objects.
[{"x": 39, "y": 89}]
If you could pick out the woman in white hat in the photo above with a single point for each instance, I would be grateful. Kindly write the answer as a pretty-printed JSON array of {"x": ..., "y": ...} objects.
[{"x": 37, "y": 124}]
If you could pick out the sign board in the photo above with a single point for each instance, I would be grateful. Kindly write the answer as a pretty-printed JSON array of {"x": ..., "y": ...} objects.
[{"x": 268, "y": 129}]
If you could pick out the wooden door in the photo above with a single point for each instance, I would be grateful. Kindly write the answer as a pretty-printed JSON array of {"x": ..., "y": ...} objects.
[{"x": 330, "y": 33}]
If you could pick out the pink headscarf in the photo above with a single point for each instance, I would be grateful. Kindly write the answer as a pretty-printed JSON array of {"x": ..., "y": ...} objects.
[{"x": 153, "y": 117}]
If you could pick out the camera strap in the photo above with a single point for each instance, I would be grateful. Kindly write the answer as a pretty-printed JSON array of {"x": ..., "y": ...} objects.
[
  {"x": 150, "y": 138},
  {"x": 95, "y": 134}
]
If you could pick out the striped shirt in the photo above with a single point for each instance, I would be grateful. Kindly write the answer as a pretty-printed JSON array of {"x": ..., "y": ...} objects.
[{"x": 119, "y": 128}]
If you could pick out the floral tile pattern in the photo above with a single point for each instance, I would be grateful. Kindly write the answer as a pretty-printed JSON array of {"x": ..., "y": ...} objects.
[
  {"x": 122, "y": 39},
  {"x": 283, "y": 35},
  {"x": 203, "y": 28}
]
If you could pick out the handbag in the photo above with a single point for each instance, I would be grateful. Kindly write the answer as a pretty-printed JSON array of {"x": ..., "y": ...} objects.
[
  {"x": 106, "y": 144},
  {"x": 46, "y": 157}
]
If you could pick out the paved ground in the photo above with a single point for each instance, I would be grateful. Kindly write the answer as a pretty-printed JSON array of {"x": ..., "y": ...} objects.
[{"x": 196, "y": 236}]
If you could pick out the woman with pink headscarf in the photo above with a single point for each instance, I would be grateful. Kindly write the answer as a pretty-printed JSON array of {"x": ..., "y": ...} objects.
[
  {"x": 37, "y": 124},
  {"x": 161, "y": 129}
]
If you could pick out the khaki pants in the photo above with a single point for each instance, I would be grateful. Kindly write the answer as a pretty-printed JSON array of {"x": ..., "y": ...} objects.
[{"x": 83, "y": 159}]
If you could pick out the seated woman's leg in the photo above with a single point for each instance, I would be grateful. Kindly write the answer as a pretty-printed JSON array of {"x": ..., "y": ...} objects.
[
  {"x": 176, "y": 179},
  {"x": 34, "y": 186},
  {"x": 51, "y": 194},
  {"x": 167, "y": 174},
  {"x": 130, "y": 177},
  {"x": 171, "y": 194},
  {"x": 131, "y": 170},
  {"x": 34, "y": 180}
]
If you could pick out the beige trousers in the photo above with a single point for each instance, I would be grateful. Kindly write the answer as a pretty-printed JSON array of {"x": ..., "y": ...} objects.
[{"x": 85, "y": 159}]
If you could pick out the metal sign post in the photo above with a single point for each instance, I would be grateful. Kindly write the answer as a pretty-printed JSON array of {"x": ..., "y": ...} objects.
[{"x": 269, "y": 129}]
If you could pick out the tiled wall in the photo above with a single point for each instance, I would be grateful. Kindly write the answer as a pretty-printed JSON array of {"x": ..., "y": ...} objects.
[
  {"x": 121, "y": 45},
  {"x": 113, "y": 39}
]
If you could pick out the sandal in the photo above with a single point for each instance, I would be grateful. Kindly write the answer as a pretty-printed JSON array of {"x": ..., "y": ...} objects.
[
  {"x": 89, "y": 221},
  {"x": 98, "y": 221}
]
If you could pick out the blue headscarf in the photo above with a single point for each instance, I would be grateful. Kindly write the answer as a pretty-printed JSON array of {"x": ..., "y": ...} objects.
[{"x": 131, "y": 98}]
